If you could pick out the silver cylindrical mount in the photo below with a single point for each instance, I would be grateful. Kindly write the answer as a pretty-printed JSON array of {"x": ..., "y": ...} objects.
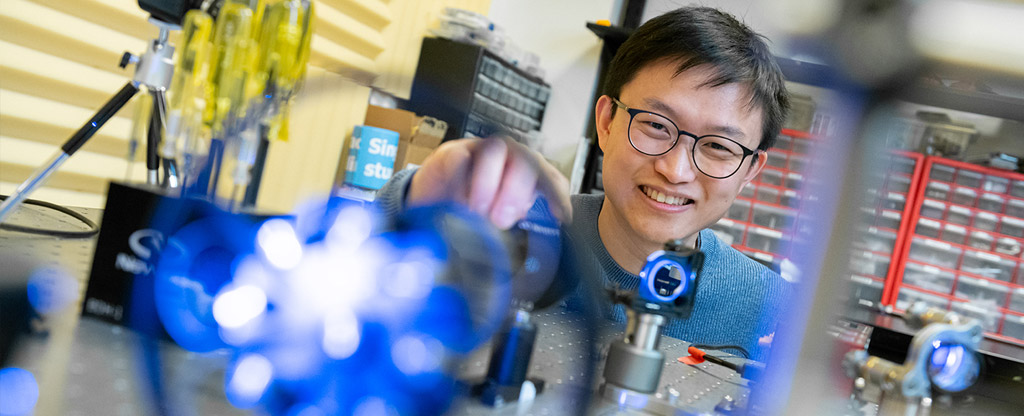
[
  {"x": 635, "y": 363},
  {"x": 633, "y": 368},
  {"x": 647, "y": 331}
]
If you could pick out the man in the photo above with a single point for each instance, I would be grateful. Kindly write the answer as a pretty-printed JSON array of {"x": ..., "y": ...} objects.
[{"x": 693, "y": 99}]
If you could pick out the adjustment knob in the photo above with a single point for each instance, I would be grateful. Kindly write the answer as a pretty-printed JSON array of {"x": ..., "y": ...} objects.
[{"x": 128, "y": 58}]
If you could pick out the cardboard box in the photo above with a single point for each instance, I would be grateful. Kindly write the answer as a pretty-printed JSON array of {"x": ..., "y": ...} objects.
[
  {"x": 417, "y": 135},
  {"x": 411, "y": 128},
  {"x": 400, "y": 121},
  {"x": 415, "y": 154},
  {"x": 429, "y": 133}
]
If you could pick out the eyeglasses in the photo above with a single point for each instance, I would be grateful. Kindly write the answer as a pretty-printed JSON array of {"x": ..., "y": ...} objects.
[{"x": 654, "y": 135}]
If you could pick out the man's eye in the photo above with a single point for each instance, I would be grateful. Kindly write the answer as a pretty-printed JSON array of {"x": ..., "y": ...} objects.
[
  {"x": 656, "y": 126},
  {"x": 719, "y": 149}
]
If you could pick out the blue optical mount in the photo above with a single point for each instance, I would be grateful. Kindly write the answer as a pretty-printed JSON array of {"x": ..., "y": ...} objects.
[{"x": 668, "y": 282}]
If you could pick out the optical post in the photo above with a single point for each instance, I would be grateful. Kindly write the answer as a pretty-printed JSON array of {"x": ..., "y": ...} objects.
[{"x": 668, "y": 283}]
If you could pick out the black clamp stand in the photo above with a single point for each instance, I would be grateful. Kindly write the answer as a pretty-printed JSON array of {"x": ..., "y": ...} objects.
[{"x": 153, "y": 71}]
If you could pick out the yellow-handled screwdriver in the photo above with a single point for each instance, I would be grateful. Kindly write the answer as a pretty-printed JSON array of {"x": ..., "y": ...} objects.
[{"x": 188, "y": 96}]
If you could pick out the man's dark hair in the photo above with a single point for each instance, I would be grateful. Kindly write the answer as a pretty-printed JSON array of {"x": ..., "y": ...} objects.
[{"x": 695, "y": 36}]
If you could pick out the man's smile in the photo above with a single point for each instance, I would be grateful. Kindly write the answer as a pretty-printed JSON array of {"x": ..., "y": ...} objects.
[{"x": 664, "y": 198}]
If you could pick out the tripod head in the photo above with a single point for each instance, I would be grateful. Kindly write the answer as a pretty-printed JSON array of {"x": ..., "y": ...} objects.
[{"x": 173, "y": 11}]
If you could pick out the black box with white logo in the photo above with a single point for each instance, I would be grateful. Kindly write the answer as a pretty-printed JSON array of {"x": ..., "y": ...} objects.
[
  {"x": 129, "y": 244},
  {"x": 137, "y": 222}
]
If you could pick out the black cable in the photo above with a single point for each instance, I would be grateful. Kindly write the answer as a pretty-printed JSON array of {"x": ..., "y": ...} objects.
[
  {"x": 743, "y": 351},
  {"x": 751, "y": 370},
  {"x": 93, "y": 228}
]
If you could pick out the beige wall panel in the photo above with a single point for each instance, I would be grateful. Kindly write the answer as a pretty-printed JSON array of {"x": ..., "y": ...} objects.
[
  {"x": 20, "y": 158},
  {"x": 60, "y": 197},
  {"x": 303, "y": 167},
  {"x": 62, "y": 179},
  {"x": 84, "y": 163},
  {"x": 373, "y": 13},
  {"x": 47, "y": 133},
  {"x": 349, "y": 31},
  {"x": 341, "y": 60},
  {"x": 102, "y": 83},
  {"x": 34, "y": 84},
  {"x": 44, "y": 110},
  {"x": 50, "y": 31},
  {"x": 124, "y": 16},
  {"x": 405, "y": 36}
]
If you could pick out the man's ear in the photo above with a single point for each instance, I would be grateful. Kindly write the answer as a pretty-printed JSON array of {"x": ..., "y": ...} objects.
[
  {"x": 603, "y": 118},
  {"x": 755, "y": 167}
]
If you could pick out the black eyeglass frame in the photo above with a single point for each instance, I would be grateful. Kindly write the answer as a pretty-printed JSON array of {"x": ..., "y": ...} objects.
[{"x": 632, "y": 114}]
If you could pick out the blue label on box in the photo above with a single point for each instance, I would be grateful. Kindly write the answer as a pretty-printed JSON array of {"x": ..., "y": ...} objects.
[{"x": 371, "y": 157}]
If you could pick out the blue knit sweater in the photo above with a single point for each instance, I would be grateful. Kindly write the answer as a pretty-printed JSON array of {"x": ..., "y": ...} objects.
[{"x": 738, "y": 300}]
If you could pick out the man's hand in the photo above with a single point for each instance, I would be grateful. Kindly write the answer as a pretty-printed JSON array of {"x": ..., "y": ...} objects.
[{"x": 496, "y": 178}]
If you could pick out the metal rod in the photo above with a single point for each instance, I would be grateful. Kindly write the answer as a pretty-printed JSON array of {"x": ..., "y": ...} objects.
[
  {"x": 171, "y": 174},
  {"x": 69, "y": 148},
  {"x": 38, "y": 178},
  {"x": 153, "y": 142}
]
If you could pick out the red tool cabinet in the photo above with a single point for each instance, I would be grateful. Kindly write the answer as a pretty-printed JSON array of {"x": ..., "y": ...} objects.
[
  {"x": 964, "y": 246},
  {"x": 762, "y": 220},
  {"x": 933, "y": 229}
]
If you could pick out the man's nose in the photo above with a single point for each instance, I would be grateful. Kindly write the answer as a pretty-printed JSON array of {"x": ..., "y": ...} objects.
[{"x": 677, "y": 165}]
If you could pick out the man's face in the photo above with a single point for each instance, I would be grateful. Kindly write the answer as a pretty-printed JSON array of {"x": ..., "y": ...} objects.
[{"x": 631, "y": 178}]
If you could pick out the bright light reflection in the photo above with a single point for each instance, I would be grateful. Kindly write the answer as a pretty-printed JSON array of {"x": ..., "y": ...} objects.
[
  {"x": 374, "y": 406},
  {"x": 411, "y": 279},
  {"x": 324, "y": 280},
  {"x": 250, "y": 380},
  {"x": 306, "y": 410},
  {"x": 414, "y": 355},
  {"x": 18, "y": 391},
  {"x": 239, "y": 336},
  {"x": 951, "y": 360},
  {"x": 279, "y": 244},
  {"x": 953, "y": 367},
  {"x": 341, "y": 334},
  {"x": 50, "y": 289},
  {"x": 239, "y": 306},
  {"x": 253, "y": 271},
  {"x": 351, "y": 228}
]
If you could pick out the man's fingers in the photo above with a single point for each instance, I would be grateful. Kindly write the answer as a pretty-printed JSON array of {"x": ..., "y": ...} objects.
[
  {"x": 497, "y": 178},
  {"x": 515, "y": 195},
  {"x": 443, "y": 176},
  {"x": 488, "y": 166}
]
